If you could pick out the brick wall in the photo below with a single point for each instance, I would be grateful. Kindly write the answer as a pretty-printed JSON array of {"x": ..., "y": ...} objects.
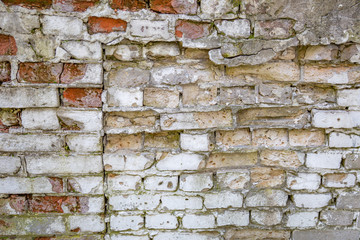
[{"x": 179, "y": 119}]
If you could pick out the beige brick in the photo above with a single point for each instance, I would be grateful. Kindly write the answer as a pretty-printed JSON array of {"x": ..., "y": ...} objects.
[
  {"x": 263, "y": 177},
  {"x": 122, "y": 141},
  {"x": 276, "y": 71},
  {"x": 309, "y": 138},
  {"x": 237, "y": 95},
  {"x": 318, "y": 53},
  {"x": 332, "y": 74},
  {"x": 310, "y": 94},
  {"x": 233, "y": 179},
  {"x": 235, "y": 138},
  {"x": 132, "y": 121},
  {"x": 339, "y": 180},
  {"x": 162, "y": 140},
  {"x": 257, "y": 234},
  {"x": 195, "y": 95},
  {"x": 161, "y": 98},
  {"x": 223, "y": 160},
  {"x": 276, "y": 158},
  {"x": 270, "y": 137}
]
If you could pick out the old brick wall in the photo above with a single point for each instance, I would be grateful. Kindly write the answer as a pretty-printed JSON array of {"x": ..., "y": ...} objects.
[{"x": 179, "y": 119}]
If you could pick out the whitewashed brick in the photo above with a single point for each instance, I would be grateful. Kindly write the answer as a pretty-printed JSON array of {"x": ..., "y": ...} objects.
[
  {"x": 330, "y": 160},
  {"x": 149, "y": 29},
  {"x": 235, "y": 179},
  {"x": 89, "y": 223},
  {"x": 223, "y": 200},
  {"x": 118, "y": 162},
  {"x": 30, "y": 143},
  {"x": 124, "y": 97},
  {"x": 178, "y": 76},
  {"x": 339, "y": 180},
  {"x": 83, "y": 50},
  {"x": 64, "y": 164},
  {"x": 182, "y": 161},
  {"x": 303, "y": 219},
  {"x": 63, "y": 26},
  {"x": 304, "y": 181},
  {"x": 342, "y": 140},
  {"x": 95, "y": 204},
  {"x": 266, "y": 198},
  {"x": 45, "y": 119},
  {"x": 238, "y": 28},
  {"x": 267, "y": 218},
  {"x": 181, "y": 202},
  {"x": 161, "y": 221},
  {"x": 233, "y": 218},
  {"x": 186, "y": 236},
  {"x": 123, "y": 182},
  {"x": 336, "y": 119},
  {"x": 122, "y": 223},
  {"x": 86, "y": 185},
  {"x": 162, "y": 49},
  {"x": 158, "y": 183},
  {"x": 195, "y": 143},
  {"x": 93, "y": 74},
  {"x": 87, "y": 121},
  {"x": 193, "y": 221},
  {"x": 9, "y": 165},
  {"x": 15, "y": 185},
  {"x": 305, "y": 200},
  {"x": 133, "y": 202},
  {"x": 217, "y": 8},
  {"x": 28, "y": 97},
  {"x": 127, "y": 237},
  {"x": 348, "y": 97},
  {"x": 196, "y": 182},
  {"x": 84, "y": 143},
  {"x": 124, "y": 52},
  {"x": 337, "y": 217},
  {"x": 17, "y": 22}
]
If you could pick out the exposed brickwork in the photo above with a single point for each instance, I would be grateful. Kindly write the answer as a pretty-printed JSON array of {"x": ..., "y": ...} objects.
[
  {"x": 128, "y": 5},
  {"x": 106, "y": 25},
  {"x": 79, "y": 97},
  {"x": 74, "y": 5},
  {"x": 40, "y": 72},
  {"x": 32, "y": 4},
  {"x": 7, "y": 45},
  {"x": 191, "y": 30}
]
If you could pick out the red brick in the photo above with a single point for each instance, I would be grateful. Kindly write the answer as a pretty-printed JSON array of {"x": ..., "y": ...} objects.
[
  {"x": 191, "y": 30},
  {"x": 73, "y": 72},
  {"x": 106, "y": 25},
  {"x": 16, "y": 202},
  {"x": 32, "y": 4},
  {"x": 82, "y": 97},
  {"x": 5, "y": 71},
  {"x": 128, "y": 5},
  {"x": 74, "y": 5},
  {"x": 57, "y": 184},
  {"x": 54, "y": 204},
  {"x": 40, "y": 72},
  {"x": 173, "y": 6},
  {"x": 7, "y": 45}
]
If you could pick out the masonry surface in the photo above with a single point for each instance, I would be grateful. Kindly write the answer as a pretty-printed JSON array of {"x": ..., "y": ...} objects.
[{"x": 179, "y": 119}]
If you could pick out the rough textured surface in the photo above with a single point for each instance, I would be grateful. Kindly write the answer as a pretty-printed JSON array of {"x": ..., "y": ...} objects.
[{"x": 179, "y": 119}]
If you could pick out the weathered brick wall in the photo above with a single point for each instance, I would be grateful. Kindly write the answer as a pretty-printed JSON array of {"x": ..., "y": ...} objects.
[{"x": 179, "y": 119}]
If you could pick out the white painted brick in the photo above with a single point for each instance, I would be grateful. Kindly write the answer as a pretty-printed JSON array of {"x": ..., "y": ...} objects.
[
  {"x": 267, "y": 218},
  {"x": 15, "y": 185},
  {"x": 122, "y": 223},
  {"x": 86, "y": 185},
  {"x": 132, "y": 202},
  {"x": 195, "y": 143},
  {"x": 124, "y": 52},
  {"x": 339, "y": 140},
  {"x": 17, "y": 22},
  {"x": 185, "y": 236},
  {"x": 305, "y": 200},
  {"x": 123, "y": 182},
  {"x": 161, "y": 221},
  {"x": 181, "y": 202},
  {"x": 149, "y": 29},
  {"x": 63, "y": 26},
  {"x": 193, "y": 221},
  {"x": 266, "y": 198},
  {"x": 179, "y": 76},
  {"x": 9, "y": 165},
  {"x": 239, "y": 28},
  {"x": 64, "y": 164},
  {"x": 93, "y": 74},
  {"x": 162, "y": 49},
  {"x": 83, "y": 50},
  {"x": 88, "y": 223},
  {"x": 182, "y": 161},
  {"x": 233, "y": 218},
  {"x": 304, "y": 181},
  {"x": 44, "y": 119},
  {"x": 348, "y": 97},
  {"x": 302, "y": 219},
  {"x": 339, "y": 180},
  {"x": 95, "y": 204},
  {"x": 336, "y": 119},
  {"x": 331, "y": 160},
  {"x": 30, "y": 143},
  {"x": 161, "y": 183},
  {"x": 235, "y": 179},
  {"x": 223, "y": 200},
  {"x": 117, "y": 162},
  {"x": 126, "y": 237},
  {"x": 196, "y": 182},
  {"x": 22, "y": 97},
  {"x": 87, "y": 121},
  {"x": 124, "y": 97},
  {"x": 84, "y": 143}
]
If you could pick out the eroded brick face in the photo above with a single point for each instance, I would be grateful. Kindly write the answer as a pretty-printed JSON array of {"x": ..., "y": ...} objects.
[
  {"x": 80, "y": 97},
  {"x": 7, "y": 45},
  {"x": 74, "y": 5},
  {"x": 5, "y": 71},
  {"x": 106, "y": 25},
  {"x": 191, "y": 30},
  {"x": 40, "y": 72},
  {"x": 174, "y": 6},
  {"x": 128, "y": 5},
  {"x": 32, "y": 4}
]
